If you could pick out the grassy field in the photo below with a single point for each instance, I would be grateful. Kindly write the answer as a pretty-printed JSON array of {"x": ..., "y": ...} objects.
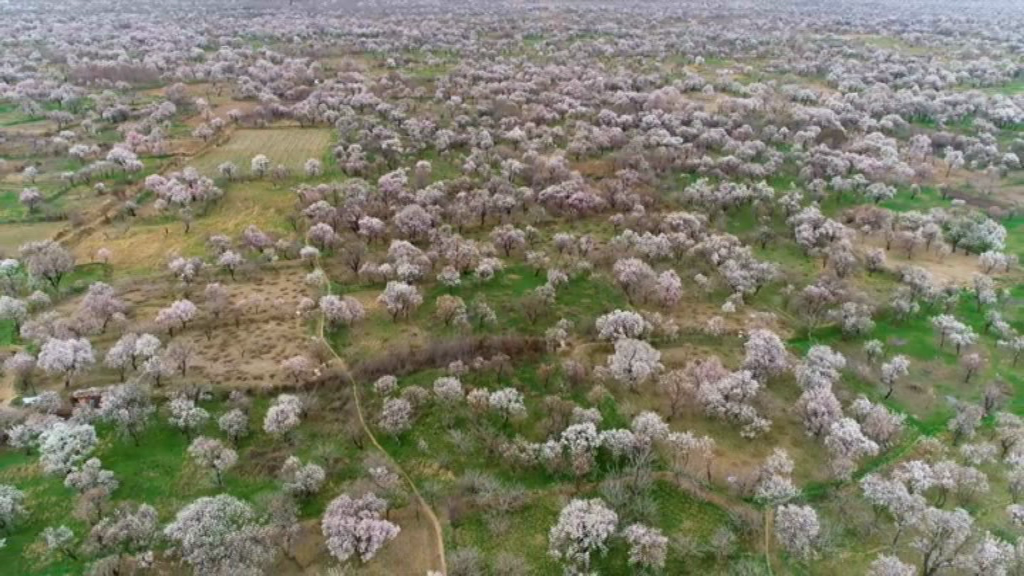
[
  {"x": 157, "y": 471},
  {"x": 288, "y": 146}
]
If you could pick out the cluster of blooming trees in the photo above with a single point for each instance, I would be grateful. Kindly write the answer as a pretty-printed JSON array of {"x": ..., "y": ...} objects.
[
  {"x": 544, "y": 185},
  {"x": 219, "y": 534}
]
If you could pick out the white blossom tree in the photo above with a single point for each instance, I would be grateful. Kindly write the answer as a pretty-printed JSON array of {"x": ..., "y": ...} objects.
[
  {"x": 400, "y": 299},
  {"x": 101, "y": 304},
  {"x": 91, "y": 476},
  {"x": 21, "y": 365},
  {"x": 354, "y": 527},
  {"x": 395, "y": 416},
  {"x": 507, "y": 403},
  {"x": 892, "y": 371},
  {"x": 283, "y": 416},
  {"x": 186, "y": 416},
  {"x": 302, "y": 480},
  {"x": 235, "y": 424},
  {"x": 819, "y": 408},
  {"x": 846, "y": 445},
  {"x": 620, "y": 324},
  {"x": 13, "y": 310},
  {"x": 730, "y": 397},
  {"x": 128, "y": 407},
  {"x": 127, "y": 531},
  {"x": 341, "y": 311},
  {"x": 220, "y": 536},
  {"x": 259, "y": 165},
  {"x": 12, "y": 507},
  {"x": 797, "y": 530},
  {"x": 634, "y": 362},
  {"x": 648, "y": 547},
  {"x": 64, "y": 445},
  {"x": 765, "y": 355},
  {"x": 177, "y": 316},
  {"x": 583, "y": 528},
  {"x": 47, "y": 260},
  {"x": 213, "y": 454},
  {"x": 941, "y": 535},
  {"x": 66, "y": 358},
  {"x": 887, "y": 565}
]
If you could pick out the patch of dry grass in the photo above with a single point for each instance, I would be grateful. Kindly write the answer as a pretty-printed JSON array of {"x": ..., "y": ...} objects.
[
  {"x": 146, "y": 244},
  {"x": 13, "y": 236},
  {"x": 957, "y": 268}
]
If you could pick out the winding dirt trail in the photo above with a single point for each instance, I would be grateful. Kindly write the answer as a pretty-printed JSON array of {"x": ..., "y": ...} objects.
[{"x": 427, "y": 510}]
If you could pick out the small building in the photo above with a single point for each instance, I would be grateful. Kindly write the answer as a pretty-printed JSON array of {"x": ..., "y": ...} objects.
[{"x": 89, "y": 396}]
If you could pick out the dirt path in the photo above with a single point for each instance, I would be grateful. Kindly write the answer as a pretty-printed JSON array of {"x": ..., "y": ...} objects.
[{"x": 438, "y": 534}]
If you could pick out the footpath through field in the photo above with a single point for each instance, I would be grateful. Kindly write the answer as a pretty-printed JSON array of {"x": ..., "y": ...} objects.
[{"x": 438, "y": 535}]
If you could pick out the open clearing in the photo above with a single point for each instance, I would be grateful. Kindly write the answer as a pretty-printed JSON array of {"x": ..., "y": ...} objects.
[
  {"x": 13, "y": 236},
  {"x": 290, "y": 147}
]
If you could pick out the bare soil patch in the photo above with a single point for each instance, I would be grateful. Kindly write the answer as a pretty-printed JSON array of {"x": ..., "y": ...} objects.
[{"x": 958, "y": 268}]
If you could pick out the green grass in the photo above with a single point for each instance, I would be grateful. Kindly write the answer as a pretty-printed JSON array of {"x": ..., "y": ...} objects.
[
  {"x": 83, "y": 276},
  {"x": 927, "y": 198},
  {"x": 580, "y": 300},
  {"x": 1009, "y": 89},
  {"x": 525, "y": 533},
  {"x": 963, "y": 125},
  {"x": 442, "y": 167},
  {"x": 158, "y": 472},
  {"x": 1015, "y": 235},
  {"x": 8, "y": 335}
]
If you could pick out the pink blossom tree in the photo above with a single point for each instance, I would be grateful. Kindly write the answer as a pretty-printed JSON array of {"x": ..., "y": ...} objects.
[
  {"x": 354, "y": 527},
  {"x": 283, "y": 416},
  {"x": 797, "y": 530},
  {"x": 508, "y": 238},
  {"x": 213, "y": 454},
  {"x": 400, "y": 299},
  {"x": 220, "y": 535},
  {"x": 634, "y": 362},
  {"x": 341, "y": 311},
  {"x": 765, "y": 355},
  {"x": 177, "y": 315},
  {"x": 47, "y": 260},
  {"x": 102, "y": 304}
]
